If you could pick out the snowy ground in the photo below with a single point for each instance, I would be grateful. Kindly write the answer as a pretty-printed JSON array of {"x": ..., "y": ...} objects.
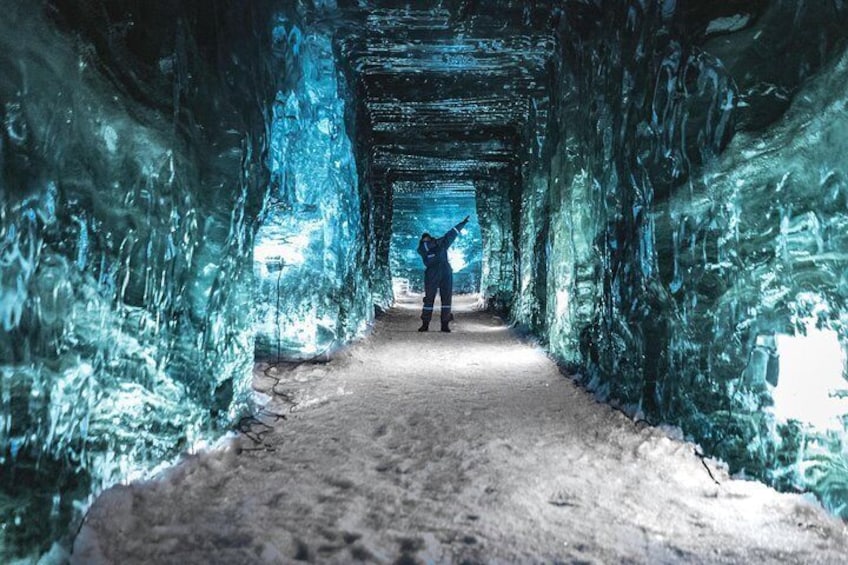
[{"x": 435, "y": 448}]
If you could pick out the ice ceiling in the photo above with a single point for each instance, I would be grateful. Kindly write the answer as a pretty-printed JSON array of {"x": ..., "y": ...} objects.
[{"x": 659, "y": 190}]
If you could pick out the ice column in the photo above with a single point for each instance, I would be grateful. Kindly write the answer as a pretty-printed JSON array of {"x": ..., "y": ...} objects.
[{"x": 309, "y": 254}]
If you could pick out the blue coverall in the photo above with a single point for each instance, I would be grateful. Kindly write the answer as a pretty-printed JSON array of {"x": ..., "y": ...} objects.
[{"x": 438, "y": 275}]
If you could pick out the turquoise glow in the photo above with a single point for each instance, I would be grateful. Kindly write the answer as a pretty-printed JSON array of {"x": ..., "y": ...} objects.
[
  {"x": 313, "y": 292},
  {"x": 435, "y": 212}
]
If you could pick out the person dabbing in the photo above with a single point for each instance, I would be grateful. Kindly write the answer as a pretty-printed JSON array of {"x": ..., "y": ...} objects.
[{"x": 438, "y": 275}]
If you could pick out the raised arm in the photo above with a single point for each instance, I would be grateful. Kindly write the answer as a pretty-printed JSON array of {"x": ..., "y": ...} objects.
[{"x": 448, "y": 238}]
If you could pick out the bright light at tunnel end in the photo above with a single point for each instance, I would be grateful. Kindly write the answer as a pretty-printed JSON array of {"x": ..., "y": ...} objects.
[
  {"x": 811, "y": 387},
  {"x": 457, "y": 259}
]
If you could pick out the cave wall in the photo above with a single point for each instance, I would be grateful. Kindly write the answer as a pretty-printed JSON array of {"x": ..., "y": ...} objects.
[
  {"x": 133, "y": 158},
  {"x": 495, "y": 214},
  {"x": 313, "y": 250},
  {"x": 689, "y": 218}
]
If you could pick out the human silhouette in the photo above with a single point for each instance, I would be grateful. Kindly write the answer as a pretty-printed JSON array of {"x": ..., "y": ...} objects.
[{"x": 438, "y": 275}]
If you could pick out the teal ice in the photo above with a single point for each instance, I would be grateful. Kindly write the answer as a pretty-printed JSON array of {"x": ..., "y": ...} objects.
[{"x": 658, "y": 192}]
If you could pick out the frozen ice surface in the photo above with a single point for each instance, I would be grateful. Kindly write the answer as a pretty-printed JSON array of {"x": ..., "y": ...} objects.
[
  {"x": 673, "y": 265},
  {"x": 125, "y": 267},
  {"x": 311, "y": 251},
  {"x": 132, "y": 287}
]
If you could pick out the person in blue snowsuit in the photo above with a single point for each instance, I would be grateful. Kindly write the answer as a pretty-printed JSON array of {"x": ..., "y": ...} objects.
[{"x": 438, "y": 275}]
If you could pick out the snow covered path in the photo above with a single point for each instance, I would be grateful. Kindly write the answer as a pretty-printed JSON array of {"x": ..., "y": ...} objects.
[{"x": 435, "y": 448}]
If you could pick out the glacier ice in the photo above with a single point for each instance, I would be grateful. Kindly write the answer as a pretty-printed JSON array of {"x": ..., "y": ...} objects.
[
  {"x": 311, "y": 252},
  {"x": 168, "y": 213},
  {"x": 692, "y": 230},
  {"x": 180, "y": 194},
  {"x": 659, "y": 192},
  {"x": 127, "y": 212}
]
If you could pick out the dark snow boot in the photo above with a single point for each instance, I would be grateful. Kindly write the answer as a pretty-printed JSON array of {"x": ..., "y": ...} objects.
[
  {"x": 425, "y": 326},
  {"x": 445, "y": 327}
]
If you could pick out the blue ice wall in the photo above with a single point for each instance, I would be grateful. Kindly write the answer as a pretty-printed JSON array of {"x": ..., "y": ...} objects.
[
  {"x": 435, "y": 212},
  {"x": 311, "y": 253},
  {"x": 131, "y": 181},
  {"x": 690, "y": 277}
]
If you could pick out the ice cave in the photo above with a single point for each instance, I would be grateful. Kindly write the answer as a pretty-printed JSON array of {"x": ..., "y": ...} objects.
[{"x": 211, "y": 280}]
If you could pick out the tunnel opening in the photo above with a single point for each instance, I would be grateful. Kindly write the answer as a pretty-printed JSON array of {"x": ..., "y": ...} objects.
[
  {"x": 810, "y": 384},
  {"x": 434, "y": 208}
]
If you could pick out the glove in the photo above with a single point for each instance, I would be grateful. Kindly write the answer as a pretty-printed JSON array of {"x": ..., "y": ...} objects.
[{"x": 465, "y": 221}]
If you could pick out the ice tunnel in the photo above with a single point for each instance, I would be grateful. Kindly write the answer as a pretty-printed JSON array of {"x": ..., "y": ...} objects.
[{"x": 658, "y": 191}]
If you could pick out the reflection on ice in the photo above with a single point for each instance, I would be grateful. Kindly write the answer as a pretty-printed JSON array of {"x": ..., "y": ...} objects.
[{"x": 273, "y": 252}]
